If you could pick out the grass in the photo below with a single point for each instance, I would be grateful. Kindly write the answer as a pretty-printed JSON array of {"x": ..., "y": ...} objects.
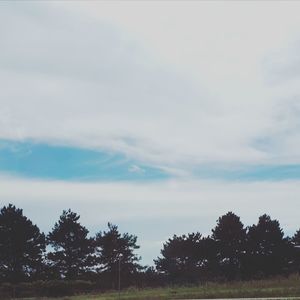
[{"x": 278, "y": 287}]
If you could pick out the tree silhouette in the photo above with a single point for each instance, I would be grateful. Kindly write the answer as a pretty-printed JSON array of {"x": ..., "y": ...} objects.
[
  {"x": 232, "y": 252},
  {"x": 230, "y": 236},
  {"x": 72, "y": 255},
  {"x": 21, "y": 246},
  {"x": 116, "y": 253},
  {"x": 296, "y": 251},
  {"x": 296, "y": 238},
  {"x": 186, "y": 258},
  {"x": 268, "y": 252}
]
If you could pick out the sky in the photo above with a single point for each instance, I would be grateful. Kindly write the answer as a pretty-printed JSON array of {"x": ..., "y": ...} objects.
[{"x": 156, "y": 116}]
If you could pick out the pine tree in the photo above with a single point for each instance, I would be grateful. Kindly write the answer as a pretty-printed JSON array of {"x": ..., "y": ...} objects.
[
  {"x": 230, "y": 236},
  {"x": 21, "y": 246},
  {"x": 268, "y": 252},
  {"x": 296, "y": 251},
  {"x": 72, "y": 255},
  {"x": 116, "y": 254},
  {"x": 187, "y": 258}
]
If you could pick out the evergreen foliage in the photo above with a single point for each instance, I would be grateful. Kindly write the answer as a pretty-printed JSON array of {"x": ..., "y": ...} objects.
[
  {"x": 116, "y": 254},
  {"x": 296, "y": 253},
  {"x": 186, "y": 258},
  {"x": 72, "y": 255},
  {"x": 268, "y": 252},
  {"x": 230, "y": 236},
  {"x": 232, "y": 252},
  {"x": 21, "y": 246}
]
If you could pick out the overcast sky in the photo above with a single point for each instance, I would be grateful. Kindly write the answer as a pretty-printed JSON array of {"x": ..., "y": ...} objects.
[{"x": 156, "y": 116}]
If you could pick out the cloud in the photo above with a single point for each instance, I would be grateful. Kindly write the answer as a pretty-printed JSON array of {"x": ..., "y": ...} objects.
[
  {"x": 282, "y": 67},
  {"x": 173, "y": 96},
  {"x": 136, "y": 169}
]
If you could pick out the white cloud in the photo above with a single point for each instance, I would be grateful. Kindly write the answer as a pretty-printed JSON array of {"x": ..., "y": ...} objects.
[
  {"x": 170, "y": 84},
  {"x": 136, "y": 169}
]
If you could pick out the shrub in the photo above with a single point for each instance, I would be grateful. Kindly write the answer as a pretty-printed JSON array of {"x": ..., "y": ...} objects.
[{"x": 53, "y": 288}]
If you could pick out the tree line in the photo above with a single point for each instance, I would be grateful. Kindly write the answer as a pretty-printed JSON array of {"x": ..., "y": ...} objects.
[
  {"x": 231, "y": 252},
  {"x": 67, "y": 252}
]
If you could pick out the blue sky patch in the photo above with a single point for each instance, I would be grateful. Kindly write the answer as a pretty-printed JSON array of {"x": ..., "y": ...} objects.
[
  {"x": 250, "y": 172},
  {"x": 36, "y": 160}
]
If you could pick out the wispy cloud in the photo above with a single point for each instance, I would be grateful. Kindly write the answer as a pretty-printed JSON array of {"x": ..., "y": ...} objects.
[
  {"x": 169, "y": 95},
  {"x": 136, "y": 169}
]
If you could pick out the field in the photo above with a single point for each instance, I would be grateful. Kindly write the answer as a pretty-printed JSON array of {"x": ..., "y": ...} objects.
[{"x": 279, "y": 287}]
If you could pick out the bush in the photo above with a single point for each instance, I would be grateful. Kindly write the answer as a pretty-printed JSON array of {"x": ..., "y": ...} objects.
[{"x": 53, "y": 288}]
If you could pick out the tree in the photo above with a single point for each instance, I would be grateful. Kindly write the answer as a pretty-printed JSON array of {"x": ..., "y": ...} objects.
[
  {"x": 268, "y": 252},
  {"x": 72, "y": 255},
  {"x": 296, "y": 238},
  {"x": 230, "y": 236},
  {"x": 186, "y": 258},
  {"x": 296, "y": 251},
  {"x": 116, "y": 254},
  {"x": 21, "y": 246}
]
